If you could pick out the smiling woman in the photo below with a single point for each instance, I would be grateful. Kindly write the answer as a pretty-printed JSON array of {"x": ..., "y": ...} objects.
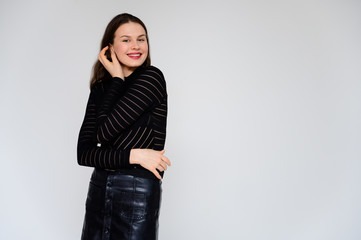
[
  {"x": 123, "y": 136},
  {"x": 130, "y": 46}
]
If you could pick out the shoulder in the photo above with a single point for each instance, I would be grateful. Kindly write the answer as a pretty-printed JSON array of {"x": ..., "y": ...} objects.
[
  {"x": 154, "y": 75},
  {"x": 151, "y": 79},
  {"x": 98, "y": 90},
  {"x": 153, "y": 71},
  {"x": 101, "y": 85}
]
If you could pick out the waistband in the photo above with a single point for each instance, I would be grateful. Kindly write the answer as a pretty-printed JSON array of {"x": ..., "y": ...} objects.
[
  {"x": 105, "y": 178},
  {"x": 137, "y": 171}
]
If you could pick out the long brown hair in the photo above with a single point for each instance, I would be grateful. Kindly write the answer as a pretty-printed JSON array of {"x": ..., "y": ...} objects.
[{"x": 99, "y": 72}]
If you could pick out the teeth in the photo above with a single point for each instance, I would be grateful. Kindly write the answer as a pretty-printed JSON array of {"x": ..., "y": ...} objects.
[{"x": 134, "y": 55}]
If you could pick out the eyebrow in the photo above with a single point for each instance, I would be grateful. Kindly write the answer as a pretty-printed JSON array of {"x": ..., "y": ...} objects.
[{"x": 142, "y": 35}]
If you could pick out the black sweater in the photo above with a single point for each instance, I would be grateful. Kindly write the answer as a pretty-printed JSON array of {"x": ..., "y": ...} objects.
[{"x": 123, "y": 115}]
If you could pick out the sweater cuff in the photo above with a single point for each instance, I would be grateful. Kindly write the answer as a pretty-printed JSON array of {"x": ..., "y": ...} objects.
[
  {"x": 125, "y": 158},
  {"x": 116, "y": 84},
  {"x": 118, "y": 79}
]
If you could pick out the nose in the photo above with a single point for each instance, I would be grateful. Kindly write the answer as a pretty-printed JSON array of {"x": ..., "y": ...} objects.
[{"x": 135, "y": 45}]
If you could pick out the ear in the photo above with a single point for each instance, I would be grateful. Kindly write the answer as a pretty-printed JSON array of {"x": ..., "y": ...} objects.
[{"x": 111, "y": 46}]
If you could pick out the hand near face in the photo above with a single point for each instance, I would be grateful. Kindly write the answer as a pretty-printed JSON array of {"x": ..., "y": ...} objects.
[{"x": 113, "y": 67}]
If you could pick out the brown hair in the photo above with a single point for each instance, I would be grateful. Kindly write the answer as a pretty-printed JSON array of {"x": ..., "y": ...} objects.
[{"x": 99, "y": 72}]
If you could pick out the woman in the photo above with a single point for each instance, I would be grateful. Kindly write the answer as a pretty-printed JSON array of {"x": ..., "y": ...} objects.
[{"x": 123, "y": 136}]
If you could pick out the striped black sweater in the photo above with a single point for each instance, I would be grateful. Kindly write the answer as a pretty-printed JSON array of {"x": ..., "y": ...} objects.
[{"x": 122, "y": 115}]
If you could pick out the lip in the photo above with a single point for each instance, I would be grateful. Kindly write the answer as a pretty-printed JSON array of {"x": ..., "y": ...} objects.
[{"x": 134, "y": 55}]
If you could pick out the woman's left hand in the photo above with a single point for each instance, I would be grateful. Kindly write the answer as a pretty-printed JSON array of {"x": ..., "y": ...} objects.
[
  {"x": 113, "y": 67},
  {"x": 150, "y": 159}
]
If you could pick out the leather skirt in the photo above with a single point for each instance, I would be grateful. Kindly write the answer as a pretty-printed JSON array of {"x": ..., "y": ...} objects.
[{"x": 121, "y": 206}]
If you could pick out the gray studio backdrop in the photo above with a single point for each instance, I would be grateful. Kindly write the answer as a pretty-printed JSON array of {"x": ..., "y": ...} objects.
[{"x": 264, "y": 116}]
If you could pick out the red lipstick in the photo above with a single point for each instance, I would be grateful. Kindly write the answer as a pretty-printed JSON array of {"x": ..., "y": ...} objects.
[{"x": 134, "y": 55}]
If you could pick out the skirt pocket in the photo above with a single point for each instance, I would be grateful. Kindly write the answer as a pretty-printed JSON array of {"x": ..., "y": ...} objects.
[
  {"x": 130, "y": 205},
  {"x": 95, "y": 198}
]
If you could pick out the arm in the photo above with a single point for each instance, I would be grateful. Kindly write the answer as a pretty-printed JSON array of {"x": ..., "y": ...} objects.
[
  {"x": 111, "y": 92},
  {"x": 88, "y": 154},
  {"x": 148, "y": 89}
]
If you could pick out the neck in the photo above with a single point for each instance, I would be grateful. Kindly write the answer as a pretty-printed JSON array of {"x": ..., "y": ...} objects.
[{"x": 127, "y": 71}]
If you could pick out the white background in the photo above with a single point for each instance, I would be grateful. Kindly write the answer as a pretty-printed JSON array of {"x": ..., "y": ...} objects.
[{"x": 264, "y": 116}]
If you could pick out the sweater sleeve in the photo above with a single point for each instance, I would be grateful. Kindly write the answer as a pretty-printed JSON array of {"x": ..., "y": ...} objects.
[
  {"x": 115, "y": 89},
  {"x": 147, "y": 89},
  {"x": 88, "y": 152}
]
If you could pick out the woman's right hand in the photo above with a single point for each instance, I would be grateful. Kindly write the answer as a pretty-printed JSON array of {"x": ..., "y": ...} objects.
[
  {"x": 150, "y": 159},
  {"x": 113, "y": 67}
]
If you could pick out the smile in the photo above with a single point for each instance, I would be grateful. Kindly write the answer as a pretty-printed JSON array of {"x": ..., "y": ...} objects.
[{"x": 134, "y": 55}]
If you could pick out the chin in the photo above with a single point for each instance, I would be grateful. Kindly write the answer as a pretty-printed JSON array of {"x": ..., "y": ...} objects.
[
  {"x": 137, "y": 64},
  {"x": 134, "y": 65}
]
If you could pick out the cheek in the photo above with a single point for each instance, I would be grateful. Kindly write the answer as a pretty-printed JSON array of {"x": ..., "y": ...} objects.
[
  {"x": 119, "y": 49},
  {"x": 145, "y": 49}
]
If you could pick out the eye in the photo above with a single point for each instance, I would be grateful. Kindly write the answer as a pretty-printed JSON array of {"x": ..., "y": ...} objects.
[
  {"x": 125, "y": 40},
  {"x": 141, "y": 39}
]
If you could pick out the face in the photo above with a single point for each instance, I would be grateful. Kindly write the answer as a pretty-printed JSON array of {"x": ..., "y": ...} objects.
[{"x": 131, "y": 46}]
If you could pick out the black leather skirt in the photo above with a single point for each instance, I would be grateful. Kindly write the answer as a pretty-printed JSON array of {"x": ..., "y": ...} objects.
[{"x": 121, "y": 206}]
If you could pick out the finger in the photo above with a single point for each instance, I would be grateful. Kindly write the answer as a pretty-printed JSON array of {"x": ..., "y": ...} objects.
[
  {"x": 166, "y": 160},
  {"x": 113, "y": 56},
  {"x": 163, "y": 165},
  {"x": 156, "y": 174},
  {"x": 102, "y": 55},
  {"x": 100, "y": 59},
  {"x": 102, "y": 52},
  {"x": 160, "y": 167}
]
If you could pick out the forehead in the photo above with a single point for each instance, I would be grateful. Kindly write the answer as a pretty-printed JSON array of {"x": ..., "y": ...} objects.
[{"x": 130, "y": 29}]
